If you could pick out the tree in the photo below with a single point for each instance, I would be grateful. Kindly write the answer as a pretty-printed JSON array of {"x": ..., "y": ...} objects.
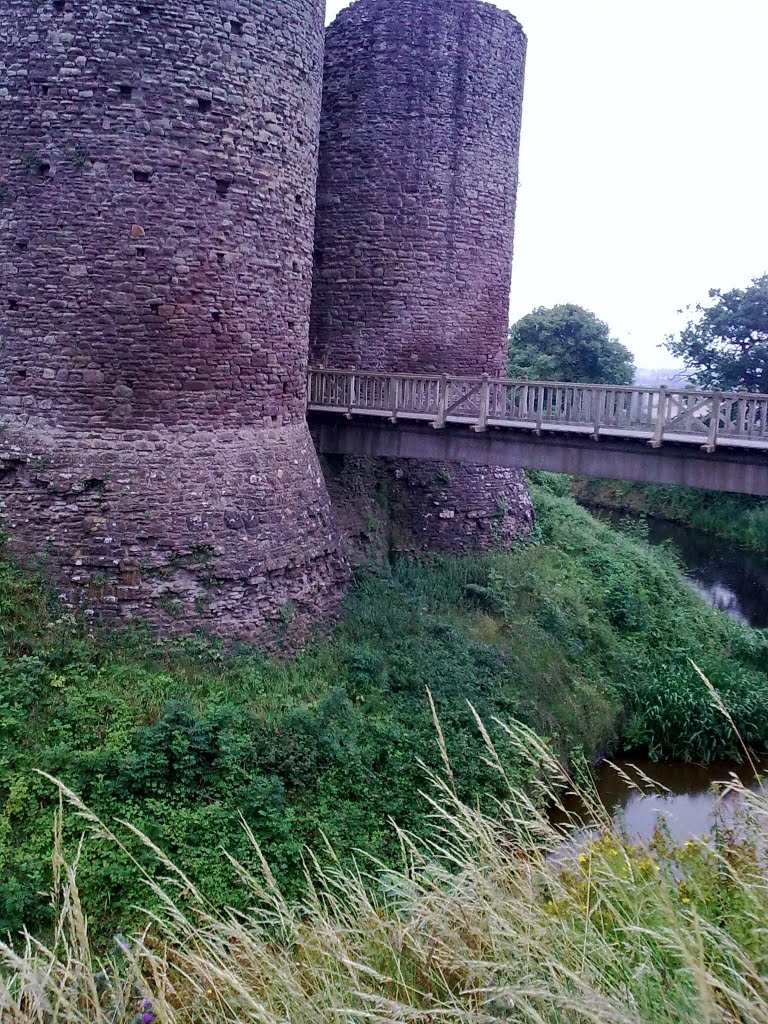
[
  {"x": 726, "y": 347},
  {"x": 568, "y": 343}
]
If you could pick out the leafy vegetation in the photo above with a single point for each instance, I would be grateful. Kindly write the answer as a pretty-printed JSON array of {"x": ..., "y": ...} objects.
[
  {"x": 735, "y": 517},
  {"x": 487, "y": 918},
  {"x": 585, "y": 636},
  {"x": 726, "y": 346},
  {"x": 567, "y": 343}
]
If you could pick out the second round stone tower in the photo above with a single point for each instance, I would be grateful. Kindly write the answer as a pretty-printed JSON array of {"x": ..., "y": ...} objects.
[
  {"x": 420, "y": 138},
  {"x": 158, "y": 161}
]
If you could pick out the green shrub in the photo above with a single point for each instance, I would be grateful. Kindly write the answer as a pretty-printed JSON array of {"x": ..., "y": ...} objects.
[{"x": 575, "y": 636}]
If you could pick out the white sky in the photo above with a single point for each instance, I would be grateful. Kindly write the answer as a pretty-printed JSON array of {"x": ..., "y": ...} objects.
[{"x": 644, "y": 166}]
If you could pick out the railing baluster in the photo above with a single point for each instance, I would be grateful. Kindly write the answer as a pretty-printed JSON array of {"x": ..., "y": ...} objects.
[
  {"x": 395, "y": 397},
  {"x": 539, "y": 400},
  {"x": 598, "y": 413},
  {"x": 728, "y": 416},
  {"x": 351, "y": 380},
  {"x": 752, "y": 410}
]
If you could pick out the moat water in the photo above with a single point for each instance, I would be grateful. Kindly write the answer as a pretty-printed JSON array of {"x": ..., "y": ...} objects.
[
  {"x": 689, "y": 799},
  {"x": 725, "y": 576},
  {"x": 736, "y": 582}
]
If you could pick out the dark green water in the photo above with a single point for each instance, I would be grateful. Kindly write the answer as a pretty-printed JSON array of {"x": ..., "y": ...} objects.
[
  {"x": 725, "y": 576},
  {"x": 736, "y": 582}
]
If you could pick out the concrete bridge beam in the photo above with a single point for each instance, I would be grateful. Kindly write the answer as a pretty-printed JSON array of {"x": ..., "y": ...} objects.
[{"x": 742, "y": 471}]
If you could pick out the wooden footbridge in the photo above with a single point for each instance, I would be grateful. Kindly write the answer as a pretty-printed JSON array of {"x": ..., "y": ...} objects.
[{"x": 715, "y": 440}]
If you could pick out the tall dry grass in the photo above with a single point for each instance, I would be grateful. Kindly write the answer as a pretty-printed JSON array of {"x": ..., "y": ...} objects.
[{"x": 491, "y": 919}]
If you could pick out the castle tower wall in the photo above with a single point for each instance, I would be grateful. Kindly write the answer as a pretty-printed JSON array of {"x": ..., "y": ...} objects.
[
  {"x": 420, "y": 138},
  {"x": 157, "y": 192}
]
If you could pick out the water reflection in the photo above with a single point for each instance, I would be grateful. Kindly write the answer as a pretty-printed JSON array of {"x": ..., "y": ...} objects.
[
  {"x": 721, "y": 596},
  {"x": 688, "y": 806}
]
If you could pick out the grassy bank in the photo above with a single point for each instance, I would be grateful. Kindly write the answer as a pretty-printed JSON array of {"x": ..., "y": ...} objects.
[
  {"x": 478, "y": 922},
  {"x": 734, "y": 517},
  {"x": 584, "y": 636}
]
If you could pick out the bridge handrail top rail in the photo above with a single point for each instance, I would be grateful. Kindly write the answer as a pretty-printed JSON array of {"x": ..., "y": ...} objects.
[
  {"x": 473, "y": 378},
  {"x": 389, "y": 374},
  {"x": 522, "y": 382}
]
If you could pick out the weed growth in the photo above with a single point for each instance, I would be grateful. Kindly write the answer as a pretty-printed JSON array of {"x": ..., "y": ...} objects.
[
  {"x": 485, "y": 918},
  {"x": 736, "y": 517},
  {"x": 585, "y": 637}
]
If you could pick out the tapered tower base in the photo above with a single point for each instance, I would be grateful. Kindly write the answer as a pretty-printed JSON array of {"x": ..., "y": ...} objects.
[{"x": 228, "y": 532}]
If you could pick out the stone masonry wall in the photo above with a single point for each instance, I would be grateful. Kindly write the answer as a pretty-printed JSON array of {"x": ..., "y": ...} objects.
[
  {"x": 420, "y": 137},
  {"x": 401, "y": 506},
  {"x": 157, "y": 192}
]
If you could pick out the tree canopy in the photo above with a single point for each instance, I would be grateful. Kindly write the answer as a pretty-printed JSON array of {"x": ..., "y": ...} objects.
[
  {"x": 568, "y": 343},
  {"x": 726, "y": 346}
]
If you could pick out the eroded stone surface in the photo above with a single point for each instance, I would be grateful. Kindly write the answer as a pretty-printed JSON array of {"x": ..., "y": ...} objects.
[
  {"x": 401, "y": 506},
  {"x": 177, "y": 527},
  {"x": 420, "y": 139},
  {"x": 157, "y": 173}
]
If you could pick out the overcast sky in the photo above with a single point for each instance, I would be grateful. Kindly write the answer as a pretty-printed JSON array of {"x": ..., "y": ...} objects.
[{"x": 644, "y": 167}]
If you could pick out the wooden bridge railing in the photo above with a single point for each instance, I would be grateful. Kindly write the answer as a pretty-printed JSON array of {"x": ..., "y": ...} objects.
[{"x": 686, "y": 415}]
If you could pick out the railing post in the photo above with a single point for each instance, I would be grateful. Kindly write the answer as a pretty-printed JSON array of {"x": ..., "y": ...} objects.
[
  {"x": 598, "y": 399},
  {"x": 714, "y": 423},
  {"x": 442, "y": 403},
  {"x": 485, "y": 401},
  {"x": 395, "y": 399},
  {"x": 351, "y": 395},
  {"x": 742, "y": 415},
  {"x": 539, "y": 398},
  {"x": 661, "y": 416}
]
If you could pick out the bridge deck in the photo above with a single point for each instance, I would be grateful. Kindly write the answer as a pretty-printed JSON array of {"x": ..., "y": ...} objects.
[{"x": 716, "y": 440}]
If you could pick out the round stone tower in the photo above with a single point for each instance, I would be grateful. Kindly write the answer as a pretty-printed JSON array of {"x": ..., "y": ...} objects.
[
  {"x": 157, "y": 193},
  {"x": 420, "y": 137}
]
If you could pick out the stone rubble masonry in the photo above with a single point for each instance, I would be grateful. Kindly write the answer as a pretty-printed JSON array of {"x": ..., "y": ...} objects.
[
  {"x": 158, "y": 162},
  {"x": 401, "y": 506},
  {"x": 419, "y": 146}
]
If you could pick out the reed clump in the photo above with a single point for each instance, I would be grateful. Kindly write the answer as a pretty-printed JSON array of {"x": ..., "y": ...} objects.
[{"x": 500, "y": 917}]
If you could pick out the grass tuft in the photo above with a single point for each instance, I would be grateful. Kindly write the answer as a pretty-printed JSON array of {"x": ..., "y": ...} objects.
[{"x": 486, "y": 918}]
